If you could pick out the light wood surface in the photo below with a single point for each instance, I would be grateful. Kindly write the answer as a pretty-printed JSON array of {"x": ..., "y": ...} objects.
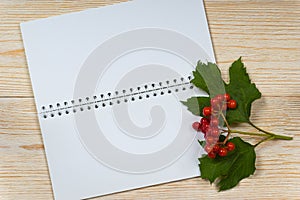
[{"x": 265, "y": 33}]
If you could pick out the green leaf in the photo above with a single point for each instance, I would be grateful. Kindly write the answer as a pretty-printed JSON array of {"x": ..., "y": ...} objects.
[
  {"x": 243, "y": 91},
  {"x": 202, "y": 143},
  {"x": 196, "y": 104},
  {"x": 228, "y": 171},
  {"x": 199, "y": 82},
  {"x": 208, "y": 78}
]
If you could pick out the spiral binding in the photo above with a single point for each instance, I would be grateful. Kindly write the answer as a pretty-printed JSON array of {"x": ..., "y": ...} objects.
[{"x": 117, "y": 97}]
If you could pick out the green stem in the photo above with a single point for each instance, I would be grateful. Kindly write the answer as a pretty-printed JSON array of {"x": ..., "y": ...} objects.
[
  {"x": 274, "y": 136},
  {"x": 281, "y": 137},
  {"x": 270, "y": 135},
  {"x": 267, "y": 132},
  {"x": 249, "y": 133},
  {"x": 264, "y": 140}
]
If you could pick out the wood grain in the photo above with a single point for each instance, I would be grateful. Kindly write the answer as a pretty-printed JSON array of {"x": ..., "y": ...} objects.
[{"x": 265, "y": 33}]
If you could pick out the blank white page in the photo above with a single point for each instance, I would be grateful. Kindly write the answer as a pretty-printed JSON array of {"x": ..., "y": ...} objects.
[{"x": 108, "y": 84}]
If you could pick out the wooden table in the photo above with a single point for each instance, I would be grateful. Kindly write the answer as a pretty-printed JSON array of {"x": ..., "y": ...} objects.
[{"x": 265, "y": 33}]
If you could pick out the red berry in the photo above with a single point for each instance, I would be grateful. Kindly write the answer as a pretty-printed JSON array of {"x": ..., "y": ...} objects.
[
  {"x": 230, "y": 146},
  {"x": 204, "y": 121},
  {"x": 212, "y": 155},
  {"x": 222, "y": 152},
  {"x": 208, "y": 148},
  {"x": 215, "y": 132},
  {"x": 219, "y": 98},
  {"x": 204, "y": 128},
  {"x": 227, "y": 97},
  {"x": 207, "y": 111},
  {"x": 232, "y": 104},
  {"x": 214, "y": 122},
  {"x": 214, "y": 102},
  {"x": 216, "y": 148},
  {"x": 210, "y": 139},
  {"x": 196, "y": 126}
]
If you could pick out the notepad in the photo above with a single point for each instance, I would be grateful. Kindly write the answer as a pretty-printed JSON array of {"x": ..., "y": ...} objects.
[{"x": 107, "y": 84}]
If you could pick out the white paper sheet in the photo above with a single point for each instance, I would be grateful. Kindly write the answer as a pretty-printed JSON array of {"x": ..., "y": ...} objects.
[{"x": 107, "y": 84}]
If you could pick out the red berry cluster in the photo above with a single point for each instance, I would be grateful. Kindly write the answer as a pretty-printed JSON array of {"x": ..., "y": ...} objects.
[
  {"x": 209, "y": 125},
  {"x": 220, "y": 149}
]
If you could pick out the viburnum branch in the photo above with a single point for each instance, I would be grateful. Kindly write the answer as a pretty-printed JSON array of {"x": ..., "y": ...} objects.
[{"x": 239, "y": 95}]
